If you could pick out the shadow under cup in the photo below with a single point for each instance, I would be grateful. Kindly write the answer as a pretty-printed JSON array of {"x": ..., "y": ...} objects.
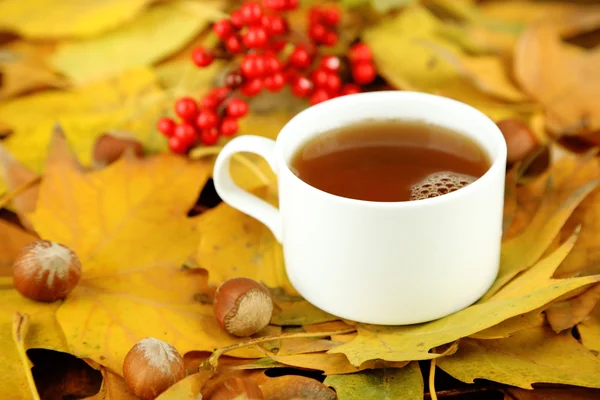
[{"x": 388, "y": 263}]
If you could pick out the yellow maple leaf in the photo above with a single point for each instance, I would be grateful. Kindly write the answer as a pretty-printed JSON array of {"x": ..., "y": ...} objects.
[
  {"x": 45, "y": 19},
  {"x": 128, "y": 225},
  {"x": 589, "y": 329},
  {"x": 158, "y": 32},
  {"x": 530, "y": 356},
  {"x": 26, "y": 69}
]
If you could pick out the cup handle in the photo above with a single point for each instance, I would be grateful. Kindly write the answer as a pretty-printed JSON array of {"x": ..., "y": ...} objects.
[{"x": 235, "y": 196}]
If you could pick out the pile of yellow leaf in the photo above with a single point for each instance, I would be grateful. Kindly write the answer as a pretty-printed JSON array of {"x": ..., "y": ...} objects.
[{"x": 71, "y": 71}]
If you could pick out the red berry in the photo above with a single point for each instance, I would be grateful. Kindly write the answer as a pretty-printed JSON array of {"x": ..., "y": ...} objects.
[
  {"x": 317, "y": 32},
  {"x": 177, "y": 145},
  {"x": 223, "y": 29},
  {"x": 333, "y": 84},
  {"x": 209, "y": 136},
  {"x": 275, "y": 82},
  {"x": 252, "y": 12},
  {"x": 277, "y": 45},
  {"x": 360, "y": 52},
  {"x": 290, "y": 75},
  {"x": 349, "y": 88},
  {"x": 253, "y": 66},
  {"x": 202, "y": 57},
  {"x": 233, "y": 44},
  {"x": 331, "y": 63},
  {"x": 315, "y": 16},
  {"x": 276, "y": 5},
  {"x": 220, "y": 93},
  {"x": 300, "y": 57},
  {"x": 330, "y": 38},
  {"x": 186, "y": 133},
  {"x": 252, "y": 87},
  {"x": 166, "y": 126},
  {"x": 363, "y": 73},
  {"x": 234, "y": 79},
  {"x": 186, "y": 108},
  {"x": 319, "y": 77},
  {"x": 255, "y": 38},
  {"x": 207, "y": 119},
  {"x": 237, "y": 19},
  {"x": 291, "y": 5},
  {"x": 272, "y": 64},
  {"x": 209, "y": 102},
  {"x": 331, "y": 16},
  {"x": 319, "y": 96},
  {"x": 237, "y": 108},
  {"x": 301, "y": 86},
  {"x": 229, "y": 126},
  {"x": 274, "y": 24}
]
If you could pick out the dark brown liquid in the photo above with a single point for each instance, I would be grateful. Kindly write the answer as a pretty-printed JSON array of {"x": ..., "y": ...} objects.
[{"x": 394, "y": 160}]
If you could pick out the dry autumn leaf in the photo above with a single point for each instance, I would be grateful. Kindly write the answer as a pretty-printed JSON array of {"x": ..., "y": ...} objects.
[
  {"x": 158, "y": 32},
  {"x": 530, "y": 356},
  {"x": 132, "y": 283},
  {"x": 39, "y": 18},
  {"x": 566, "y": 314},
  {"x": 565, "y": 393},
  {"x": 295, "y": 387},
  {"x": 12, "y": 239},
  {"x": 589, "y": 330},
  {"x": 393, "y": 383},
  {"x": 27, "y": 69},
  {"x": 562, "y": 77},
  {"x": 113, "y": 388}
]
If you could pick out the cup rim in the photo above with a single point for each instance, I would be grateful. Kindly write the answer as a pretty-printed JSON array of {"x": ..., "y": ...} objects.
[{"x": 498, "y": 162}]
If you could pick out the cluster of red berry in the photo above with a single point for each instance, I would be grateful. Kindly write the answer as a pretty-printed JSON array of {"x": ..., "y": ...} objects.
[{"x": 260, "y": 34}]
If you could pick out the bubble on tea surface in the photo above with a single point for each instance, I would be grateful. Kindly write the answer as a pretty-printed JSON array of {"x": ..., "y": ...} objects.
[{"x": 438, "y": 184}]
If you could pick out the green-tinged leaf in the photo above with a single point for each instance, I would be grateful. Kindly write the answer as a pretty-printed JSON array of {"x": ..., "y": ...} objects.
[
  {"x": 536, "y": 355},
  {"x": 158, "y": 32},
  {"x": 382, "y": 384},
  {"x": 300, "y": 313}
]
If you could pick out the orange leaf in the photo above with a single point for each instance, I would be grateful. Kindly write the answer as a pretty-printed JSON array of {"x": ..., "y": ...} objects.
[
  {"x": 12, "y": 239},
  {"x": 564, "y": 78},
  {"x": 295, "y": 387}
]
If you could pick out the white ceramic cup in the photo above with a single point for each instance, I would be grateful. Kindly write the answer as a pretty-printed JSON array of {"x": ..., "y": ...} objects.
[{"x": 388, "y": 263}]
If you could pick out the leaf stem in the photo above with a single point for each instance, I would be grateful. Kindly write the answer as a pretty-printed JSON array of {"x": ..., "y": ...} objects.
[
  {"x": 432, "y": 380},
  {"x": 213, "y": 360}
]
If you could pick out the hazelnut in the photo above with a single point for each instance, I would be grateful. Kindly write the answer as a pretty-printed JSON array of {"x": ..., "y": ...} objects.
[
  {"x": 46, "y": 271},
  {"x": 520, "y": 140},
  {"x": 243, "y": 306},
  {"x": 236, "y": 388},
  {"x": 110, "y": 146},
  {"x": 151, "y": 367}
]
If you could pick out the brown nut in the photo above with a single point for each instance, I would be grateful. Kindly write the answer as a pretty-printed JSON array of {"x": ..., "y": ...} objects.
[
  {"x": 520, "y": 140},
  {"x": 110, "y": 146},
  {"x": 46, "y": 271},
  {"x": 236, "y": 388},
  {"x": 151, "y": 367},
  {"x": 243, "y": 306}
]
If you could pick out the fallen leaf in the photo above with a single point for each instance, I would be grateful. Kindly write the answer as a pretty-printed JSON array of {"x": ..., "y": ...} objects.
[
  {"x": 301, "y": 312},
  {"x": 113, "y": 388},
  {"x": 512, "y": 325},
  {"x": 389, "y": 383},
  {"x": 567, "y": 393},
  {"x": 20, "y": 329},
  {"x": 234, "y": 244},
  {"x": 522, "y": 295},
  {"x": 39, "y": 18},
  {"x": 589, "y": 330},
  {"x": 158, "y": 32},
  {"x": 42, "y": 331},
  {"x": 188, "y": 388},
  {"x": 27, "y": 69},
  {"x": 12, "y": 240},
  {"x": 566, "y": 314},
  {"x": 132, "y": 283},
  {"x": 17, "y": 177},
  {"x": 568, "y": 83},
  {"x": 85, "y": 113},
  {"x": 330, "y": 364},
  {"x": 305, "y": 345},
  {"x": 295, "y": 387},
  {"x": 536, "y": 355},
  {"x": 522, "y": 251}
]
